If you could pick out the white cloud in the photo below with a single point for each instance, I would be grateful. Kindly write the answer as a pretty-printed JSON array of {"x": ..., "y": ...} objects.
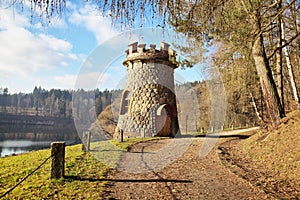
[
  {"x": 83, "y": 80},
  {"x": 91, "y": 19},
  {"x": 10, "y": 19},
  {"x": 26, "y": 54},
  {"x": 55, "y": 44},
  {"x": 21, "y": 51},
  {"x": 88, "y": 81},
  {"x": 55, "y": 22},
  {"x": 92, "y": 80},
  {"x": 30, "y": 57},
  {"x": 65, "y": 81}
]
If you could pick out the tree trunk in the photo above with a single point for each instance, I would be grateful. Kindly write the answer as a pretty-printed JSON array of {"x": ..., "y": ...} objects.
[
  {"x": 290, "y": 70},
  {"x": 255, "y": 107},
  {"x": 268, "y": 85},
  {"x": 279, "y": 57}
]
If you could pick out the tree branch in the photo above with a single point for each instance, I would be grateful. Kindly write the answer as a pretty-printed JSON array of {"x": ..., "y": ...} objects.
[{"x": 284, "y": 45}]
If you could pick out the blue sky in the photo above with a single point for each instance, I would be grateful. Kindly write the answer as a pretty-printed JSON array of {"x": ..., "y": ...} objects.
[{"x": 54, "y": 55}]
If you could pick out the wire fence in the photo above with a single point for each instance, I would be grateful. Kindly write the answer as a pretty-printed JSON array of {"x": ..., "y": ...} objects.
[{"x": 27, "y": 176}]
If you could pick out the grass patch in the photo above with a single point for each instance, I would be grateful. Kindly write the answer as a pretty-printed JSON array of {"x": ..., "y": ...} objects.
[
  {"x": 108, "y": 152},
  {"x": 83, "y": 172}
]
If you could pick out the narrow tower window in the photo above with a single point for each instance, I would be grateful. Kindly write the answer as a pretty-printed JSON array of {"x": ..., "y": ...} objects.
[{"x": 125, "y": 102}]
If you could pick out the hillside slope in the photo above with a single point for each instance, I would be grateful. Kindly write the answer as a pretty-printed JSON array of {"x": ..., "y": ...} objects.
[{"x": 278, "y": 150}]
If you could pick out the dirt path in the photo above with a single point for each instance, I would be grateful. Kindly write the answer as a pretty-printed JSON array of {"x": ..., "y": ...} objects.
[{"x": 187, "y": 176}]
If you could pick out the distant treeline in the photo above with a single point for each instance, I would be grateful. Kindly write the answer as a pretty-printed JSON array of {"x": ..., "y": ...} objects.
[
  {"x": 53, "y": 103},
  {"x": 199, "y": 104}
]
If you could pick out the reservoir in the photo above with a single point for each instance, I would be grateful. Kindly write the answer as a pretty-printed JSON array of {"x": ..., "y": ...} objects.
[{"x": 19, "y": 138}]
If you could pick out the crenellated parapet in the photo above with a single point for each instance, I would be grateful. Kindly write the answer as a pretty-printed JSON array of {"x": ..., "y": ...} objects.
[{"x": 165, "y": 54}]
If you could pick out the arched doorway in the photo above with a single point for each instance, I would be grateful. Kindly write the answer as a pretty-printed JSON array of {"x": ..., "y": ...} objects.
[{"x": 163, "y": 121}]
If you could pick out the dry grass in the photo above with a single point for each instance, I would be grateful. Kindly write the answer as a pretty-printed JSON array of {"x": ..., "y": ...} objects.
[{"x": 278, "y": 150}]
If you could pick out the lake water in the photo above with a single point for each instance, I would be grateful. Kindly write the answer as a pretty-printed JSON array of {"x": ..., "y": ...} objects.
[
  {"x": 18, "y": 139},
  {"x": 10, "y": 147}
]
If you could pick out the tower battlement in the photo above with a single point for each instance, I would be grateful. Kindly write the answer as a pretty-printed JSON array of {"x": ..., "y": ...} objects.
[{"x": 137, "y": 51}]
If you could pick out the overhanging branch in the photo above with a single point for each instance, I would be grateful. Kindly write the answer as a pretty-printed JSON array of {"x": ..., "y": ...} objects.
[{"x": 286, "y": 43}]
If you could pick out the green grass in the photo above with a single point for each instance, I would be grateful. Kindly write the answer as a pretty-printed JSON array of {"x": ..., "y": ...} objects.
[{"x": 83, "y": 172}]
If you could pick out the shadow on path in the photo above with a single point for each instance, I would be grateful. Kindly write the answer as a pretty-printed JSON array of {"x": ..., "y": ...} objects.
[
  {"x": 78, "y": 178},
  {"x": 224, "y": 136}
]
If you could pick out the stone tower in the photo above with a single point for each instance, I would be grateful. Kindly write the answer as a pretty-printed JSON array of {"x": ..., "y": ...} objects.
[{"x": 148, "y": 103}]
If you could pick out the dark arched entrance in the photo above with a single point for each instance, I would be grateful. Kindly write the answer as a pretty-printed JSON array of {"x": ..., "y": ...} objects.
[{"x": 166, "y": 117}]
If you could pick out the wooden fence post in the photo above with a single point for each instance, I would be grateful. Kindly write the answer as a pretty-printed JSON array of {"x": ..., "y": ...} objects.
[
  {"x": 58, "y": 160},
  {"x": 86, "y": 141},
  {"x": 186, "y": 126},
  {"x": 121, "y": 135}
]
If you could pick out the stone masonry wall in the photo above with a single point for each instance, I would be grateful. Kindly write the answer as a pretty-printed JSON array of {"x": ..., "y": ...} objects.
[
  {"x": 140, "y": 74},
  {"x": 150, "y": 82}
]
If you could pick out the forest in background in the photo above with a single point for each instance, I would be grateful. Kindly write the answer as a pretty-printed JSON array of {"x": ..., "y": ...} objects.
[{"x": 53, "y": 103}]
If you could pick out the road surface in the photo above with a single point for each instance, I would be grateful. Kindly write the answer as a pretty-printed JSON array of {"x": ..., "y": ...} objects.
[{"x": 188, "y": 168}]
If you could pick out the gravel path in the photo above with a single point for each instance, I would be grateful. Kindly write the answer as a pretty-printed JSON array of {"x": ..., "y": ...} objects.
[{"x": 143, "y": 174}]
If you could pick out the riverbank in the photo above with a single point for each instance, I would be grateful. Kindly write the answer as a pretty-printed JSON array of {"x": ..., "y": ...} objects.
[
  {"x": 21, "y": 133},
  {"x": 8, "y": 118}
]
